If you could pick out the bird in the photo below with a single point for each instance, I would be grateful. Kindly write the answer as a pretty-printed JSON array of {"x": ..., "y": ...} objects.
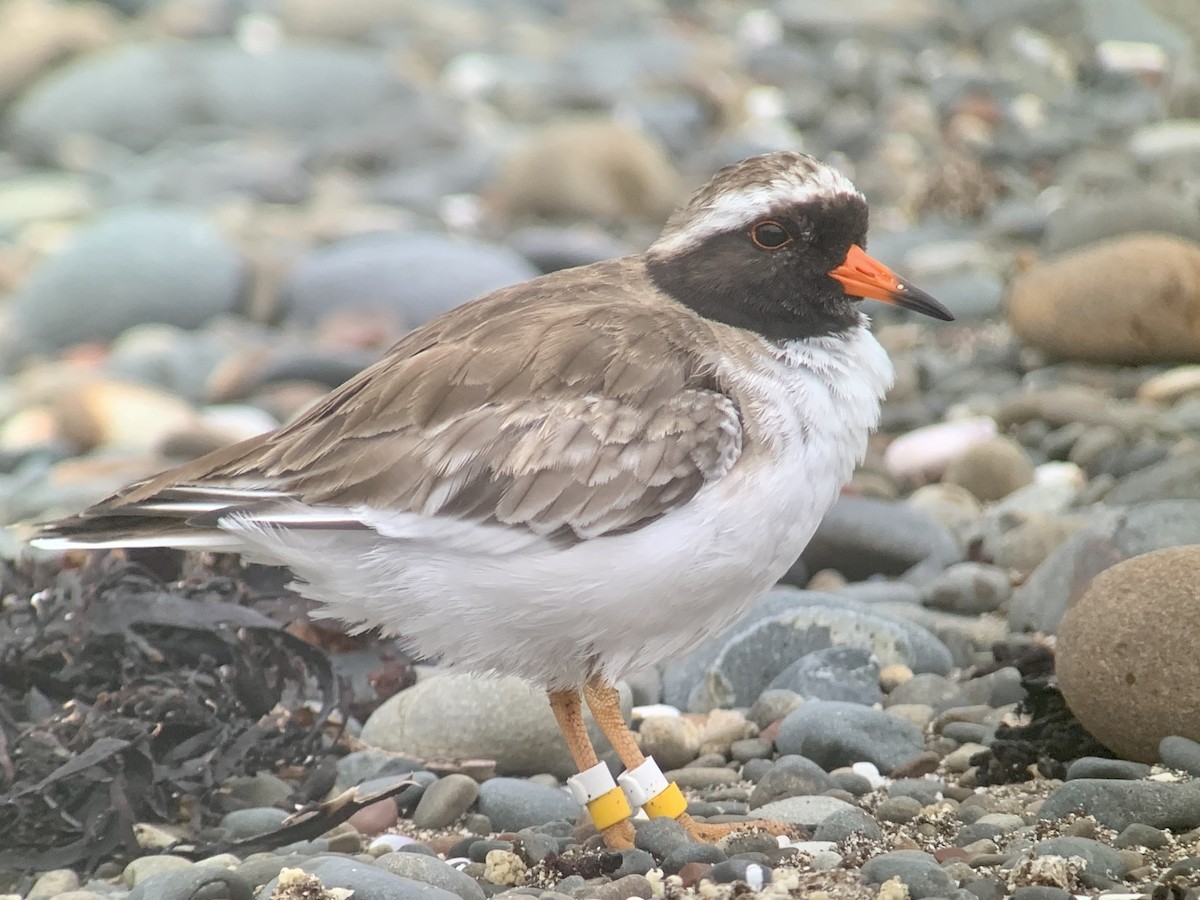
[{"x": 578, "y": 476}]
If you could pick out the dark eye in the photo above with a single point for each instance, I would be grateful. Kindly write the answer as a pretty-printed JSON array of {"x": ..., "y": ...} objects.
[{"x": 770, "y": 235}]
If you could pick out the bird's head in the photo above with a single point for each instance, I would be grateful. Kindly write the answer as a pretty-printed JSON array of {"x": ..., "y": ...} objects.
[{"x": 775, "y": 244}]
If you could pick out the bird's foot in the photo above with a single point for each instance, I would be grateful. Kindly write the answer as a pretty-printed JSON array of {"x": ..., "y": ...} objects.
[
  {"x": 619, "y": 836},
  {"x": 712, "y": 832}
]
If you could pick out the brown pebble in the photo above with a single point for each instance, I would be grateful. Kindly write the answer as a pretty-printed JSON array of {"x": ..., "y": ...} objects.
[
  {"x": 443, "y": 843},
  {"x": 923, "y": 763},
  {"x": 692, "y": 872},
  {"x": 945, "y": 854},
  {"x": 375, "y": 818}
]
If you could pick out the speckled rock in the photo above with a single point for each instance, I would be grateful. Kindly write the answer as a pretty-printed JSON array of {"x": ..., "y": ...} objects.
[{"x": 1124, "y": 655}]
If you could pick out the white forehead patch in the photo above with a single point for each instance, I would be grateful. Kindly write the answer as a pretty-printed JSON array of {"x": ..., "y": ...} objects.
[{"x": 731, "y": 208}]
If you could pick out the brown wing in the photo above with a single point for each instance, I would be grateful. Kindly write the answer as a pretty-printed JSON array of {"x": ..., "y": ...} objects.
[{"x": 581, "y": 417}]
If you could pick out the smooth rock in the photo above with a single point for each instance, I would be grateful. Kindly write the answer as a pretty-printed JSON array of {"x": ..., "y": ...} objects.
[
  {"x": 133, "y": 265},
  {"x": 246, "y": 823},
  {"x": 790, "y": 776},
  {"x": 595, "y": 170},
  {"x": 991, "y": 469},
  {"x": 52, "y": 883},
  {"x": 1085, "y": 221},
  {"x": 143, "y": 94},
  {"x": 673, "y": 741},
  {"x": 860, "y": 538},
  {"x": 735, "y": 667},
  {"x": 1139, "y": 835},
  {"x": 839, "y": 825},
  {"x": 661, "y": 836},
  {"x": 138, "y": 870},
  {"x": 513, "y": 803},
  {"x": 772, "y": 705},
  {"x": 1098, "y": 767},
  {"x": 411, "y": 277},
  {"x": 463, "y": 717},
  {"x": 806, "y": 811},
  {"x": 1119, "y": 804},
  {"x": 430, "y": 870},
  {"x": 834, "y": 734},
  {"x": 189, "y": 881},
  {"x": 1178, "y": 752},
  {"x": 1113, "y": 535},
  {"x": 444, "y": 801},
  {"x": 923, "y": 454},
  {"x": 918, "y": 871},
  {"x": 366, "y": 880},
  {"x": 1144, "y": 289},
  {"x": 1100, "y": 859},
  {"x": 836, "y": 673},
  {"x": 1124, "y": 653},
  {"x": 968, "y": 588}
]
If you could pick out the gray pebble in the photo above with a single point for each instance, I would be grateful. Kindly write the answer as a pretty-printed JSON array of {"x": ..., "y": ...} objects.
[
  {"x": 750, "y": 748},
  {"x": 142, "y": 868},
  {"x": 1101, "y": 860},
  {"x": 445, "y": 800},
  {"x": 790, "y": 776},
  {"x": 806, "y": 811},
  {"x": 929, "y": 689},
  {"x": 836, "y": 734},
  {"x": 968, "y": 588},
  {"x": 1098, "y": 767},
  {"x": 1041, "y": 892},
  {"x": 513, "y": 803},
  {"x": 1138, "y": 835},
  {"x": 363, "y": 765},
  {"x": 850, "y": 674},
  {"x": 772, "y": 705},
  {"x": 660, "y": 836},
  {"x": 634, "y": 862},
  {"x": 731, "y": 870},
  {"x": 922, "y": 790},
  {"x": 844, "y": 822},
  {"x": 183, "y": 884},
  {"x": 689, "y": 853},
  {"x": 1181, "y": 753},
  {"x": 246, "y": 823},
  {"x": 260, "y": 869},
  {"x": 479, "y": 849},
  {"x": 918, "y": 870},
  {"x": 1118, "y": 804},
  {"x": 430, "y": 870},
  {"x": 898, "y": 809},
  {"x": 369, "y": 882}
]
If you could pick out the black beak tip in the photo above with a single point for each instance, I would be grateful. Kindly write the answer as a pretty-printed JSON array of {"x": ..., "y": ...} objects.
[{"x": 917, "y": 300}]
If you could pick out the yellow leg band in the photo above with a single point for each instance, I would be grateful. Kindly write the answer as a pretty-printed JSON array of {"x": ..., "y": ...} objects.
[
  {"x": 668, "y": 804},
  {"x": 609, "y": 808}
]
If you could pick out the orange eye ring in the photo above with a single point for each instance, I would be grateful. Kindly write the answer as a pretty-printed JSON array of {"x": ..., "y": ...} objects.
[{"x": 770, "y": 235}]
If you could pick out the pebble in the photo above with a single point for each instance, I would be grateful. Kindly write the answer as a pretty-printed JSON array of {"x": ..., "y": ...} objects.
[
  {"x": 1099, "y": 858},
  {"x": 918, "y": 871},
  {"x": 898, "y": 809},
  {"x": 368, "y": 881},
  {"x": 662, "y": 837},
  {"x": 464, "y": 717},
  {"x": 735, "y": 667},
  {"x": 836, "y": 734},
  {"x": 790, "y": 776},
  {"x": 410, "y": 277},
  {"x": 1119, "y": 804},
  {"x": 512, "y": 804},
  {"x": 52, "y": 883},
  {"x": 246, "y": 823},
  {"x": 809, "y": 812},
  {"x": 673, "y": 741},
  {"x": 1177, "y": 752},
  {"x": 840, "y": 824},
  {"x": 772, "y": 705},
  {"x": 991, "y": 469},
  {"x": 686, "y": 854},
  {"x": 1097, "y": 767},
  {"x": 143, "y": 867},
  {"x": 445, "y": 800},
  {"x": 968, "y": 588},
  {"x": 734, "y": 870},
  {"x": 430, "y": 870},
  {"x": 135, "y": 265}
]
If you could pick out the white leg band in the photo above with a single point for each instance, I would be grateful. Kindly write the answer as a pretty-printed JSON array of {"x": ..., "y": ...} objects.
[
  {"x": 595, "y": 782},
  {"x": 643, "y": 784}
]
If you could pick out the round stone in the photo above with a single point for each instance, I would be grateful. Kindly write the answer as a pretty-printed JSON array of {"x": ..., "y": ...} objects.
[
  {"x": 445, "y": 800},
  {"x": 131, "y": 266},
  {"x": 1125, "y": 660},
  {"x": 1126, "y": 300},
  {"x": 991, "y": 469}
]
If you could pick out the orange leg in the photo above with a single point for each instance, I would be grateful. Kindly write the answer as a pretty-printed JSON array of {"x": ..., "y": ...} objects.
[
  {"x": 568, "y": 712},
  {"x": 605, "y": 704}
]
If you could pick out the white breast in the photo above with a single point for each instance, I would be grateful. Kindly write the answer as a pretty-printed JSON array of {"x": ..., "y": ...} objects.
[{"x": 556, "y": 614}]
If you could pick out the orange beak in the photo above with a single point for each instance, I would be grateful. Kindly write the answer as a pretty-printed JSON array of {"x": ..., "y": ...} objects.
[{"x": 863, "y": 276}]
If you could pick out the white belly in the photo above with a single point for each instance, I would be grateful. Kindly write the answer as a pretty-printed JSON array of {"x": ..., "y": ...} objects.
[{"x": 489, "y": 599}]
